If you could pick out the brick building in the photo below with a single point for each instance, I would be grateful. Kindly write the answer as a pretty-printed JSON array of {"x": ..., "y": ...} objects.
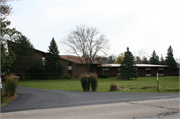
[{"x": 74, "y": 67}]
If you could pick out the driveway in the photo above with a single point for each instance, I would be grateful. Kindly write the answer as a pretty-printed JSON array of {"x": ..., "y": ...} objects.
[{"x": 33, "y": 98}]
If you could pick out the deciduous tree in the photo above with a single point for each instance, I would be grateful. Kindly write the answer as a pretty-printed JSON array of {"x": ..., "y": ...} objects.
[
  {"x": 87, "y": 42},
  {"x": 119, "y": 58}
]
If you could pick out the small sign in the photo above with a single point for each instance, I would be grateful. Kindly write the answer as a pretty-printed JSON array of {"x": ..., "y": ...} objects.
[{"x": 0, "y": 83}]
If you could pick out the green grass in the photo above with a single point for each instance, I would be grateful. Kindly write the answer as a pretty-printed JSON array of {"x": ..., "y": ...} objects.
[{"x": 141, "y": 84}]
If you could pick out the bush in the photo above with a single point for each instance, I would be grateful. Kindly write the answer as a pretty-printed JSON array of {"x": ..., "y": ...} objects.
[
  {"x": 94, "y": 81},
  {"x": 103, "y": 75},
  {"x": 10, "y": 85},
  {"x": 113, "y": 87},
  {"x": 84, "y": 82}
]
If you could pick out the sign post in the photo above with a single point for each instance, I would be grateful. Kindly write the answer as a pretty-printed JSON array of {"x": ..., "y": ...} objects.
[
  {"x": 1, "y": 90},
  {"x": 157, "y": 82}
]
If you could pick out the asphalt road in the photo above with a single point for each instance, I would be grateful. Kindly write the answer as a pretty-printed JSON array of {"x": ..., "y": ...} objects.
[
  {"x": 33, "y": 98},
  {"x": 151, "y": 109}
]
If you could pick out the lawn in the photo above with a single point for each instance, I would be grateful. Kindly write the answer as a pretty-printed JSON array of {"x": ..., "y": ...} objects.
[{"x": 141, "y": 84}]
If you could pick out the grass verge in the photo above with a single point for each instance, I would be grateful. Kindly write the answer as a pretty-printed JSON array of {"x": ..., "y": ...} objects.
[
  {"x": 8, "y": 99},
  {"x": 141, "y": 84}
]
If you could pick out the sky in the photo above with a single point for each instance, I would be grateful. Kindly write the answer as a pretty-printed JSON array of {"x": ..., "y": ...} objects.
[{"x": 141, "y": 25}]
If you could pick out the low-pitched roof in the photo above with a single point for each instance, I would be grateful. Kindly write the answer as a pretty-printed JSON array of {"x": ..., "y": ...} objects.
[
  {"x": 75, "y": 59},
  {"x": 138, "y": 65}
]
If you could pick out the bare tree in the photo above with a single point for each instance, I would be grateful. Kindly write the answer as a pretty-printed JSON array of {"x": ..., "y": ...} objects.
[{"x": 87, "y": 42}]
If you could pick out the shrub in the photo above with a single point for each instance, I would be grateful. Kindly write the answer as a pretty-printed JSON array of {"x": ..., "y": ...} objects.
[
  {"x": 94, "y": 81},
  {"x": 113, "y": 87},
  {"x": 103, "y": 75},
  {"x": 64, "y": 77},
  {"x": 67, "y": 76},
  {"x": 10, "y": 85},
  {"x": 84, "y": 82}
]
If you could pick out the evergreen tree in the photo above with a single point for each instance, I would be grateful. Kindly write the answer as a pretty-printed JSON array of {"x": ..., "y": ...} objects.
[
  {"x": 53, "y": 64},
  {"x": 145, "y": 61},
  {"x": 170, "y": 58},
  {"x": 24, "y": 51},
  {"x": 162, "y": 61},
  {"x": 128, "y": 68},
  {"x": 154, "y": 59}
]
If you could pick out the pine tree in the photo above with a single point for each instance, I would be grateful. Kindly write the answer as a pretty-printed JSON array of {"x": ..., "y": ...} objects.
[
  {"x": 162, "y": 61},
  {"x": 53, "y": 64},
  {"x": 170, "y": 58},
  {"x": 145, "y": 61},
  {"x": 128, "y": 68},
  {"x": 154, "y": 59},
  {"x": 24, "y": 51}
]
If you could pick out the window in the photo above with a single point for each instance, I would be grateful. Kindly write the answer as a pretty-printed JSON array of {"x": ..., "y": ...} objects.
[
  {"x": 105, "y": 71},
  {"x": 70, "y": 70},
  {"x": 148, "y": 71},
  {"x": 43, "y": 60},
  {"x": 161, "y": 71}
]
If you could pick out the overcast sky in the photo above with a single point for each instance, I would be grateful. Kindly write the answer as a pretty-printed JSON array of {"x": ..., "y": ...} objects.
[{"x": 144, "y": 25}]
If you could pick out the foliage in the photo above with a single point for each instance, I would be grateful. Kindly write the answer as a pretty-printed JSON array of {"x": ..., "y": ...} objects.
[
  {"x": 5, "y": 8},
  {"x": 84, "y": 82},
  {"x": 170, "y": 58},
  {"x": 87, "y": 42},
  {"x": 103, "y": 75},
  {"x": 138, "y": 60},
  {"x": 111, "y": 59},
  {"x": 154, "y": 59},
  {"x": 64, "y": 77},
  {"x": 10, "y": 85},
  {"x": 7, "y": 58},
  {"x": 119, "y": 58},
  {"x": 128, "y": 67},
  {"x": 162, "y": 61},
  {"x": 94, "y": 81},
  {"x": 24, "y": 51},
  {"x": 102, "y": 59},
  {"x": 113, "y": 87},
  {"x": 37, "y": 70},
  {"x": 145, "y": 61},
  {"x": 53, "y": 64}
]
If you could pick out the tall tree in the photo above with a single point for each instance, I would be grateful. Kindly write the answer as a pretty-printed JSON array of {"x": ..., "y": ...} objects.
[
  {"x": 53, "y": 62},
  {"x": 170, "y": 58},
  {"x": 128, "y": 68},
  {"x": 119, "y": 58},
  {"x": 145, "y": 61},
  {"x": 88, "y": 42},
  {"x": 162, "y": 61},
  {"x": 154, "y": 59},
  {"x": 24, "y": 51},
  {"x": 7, "y": 55}
]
